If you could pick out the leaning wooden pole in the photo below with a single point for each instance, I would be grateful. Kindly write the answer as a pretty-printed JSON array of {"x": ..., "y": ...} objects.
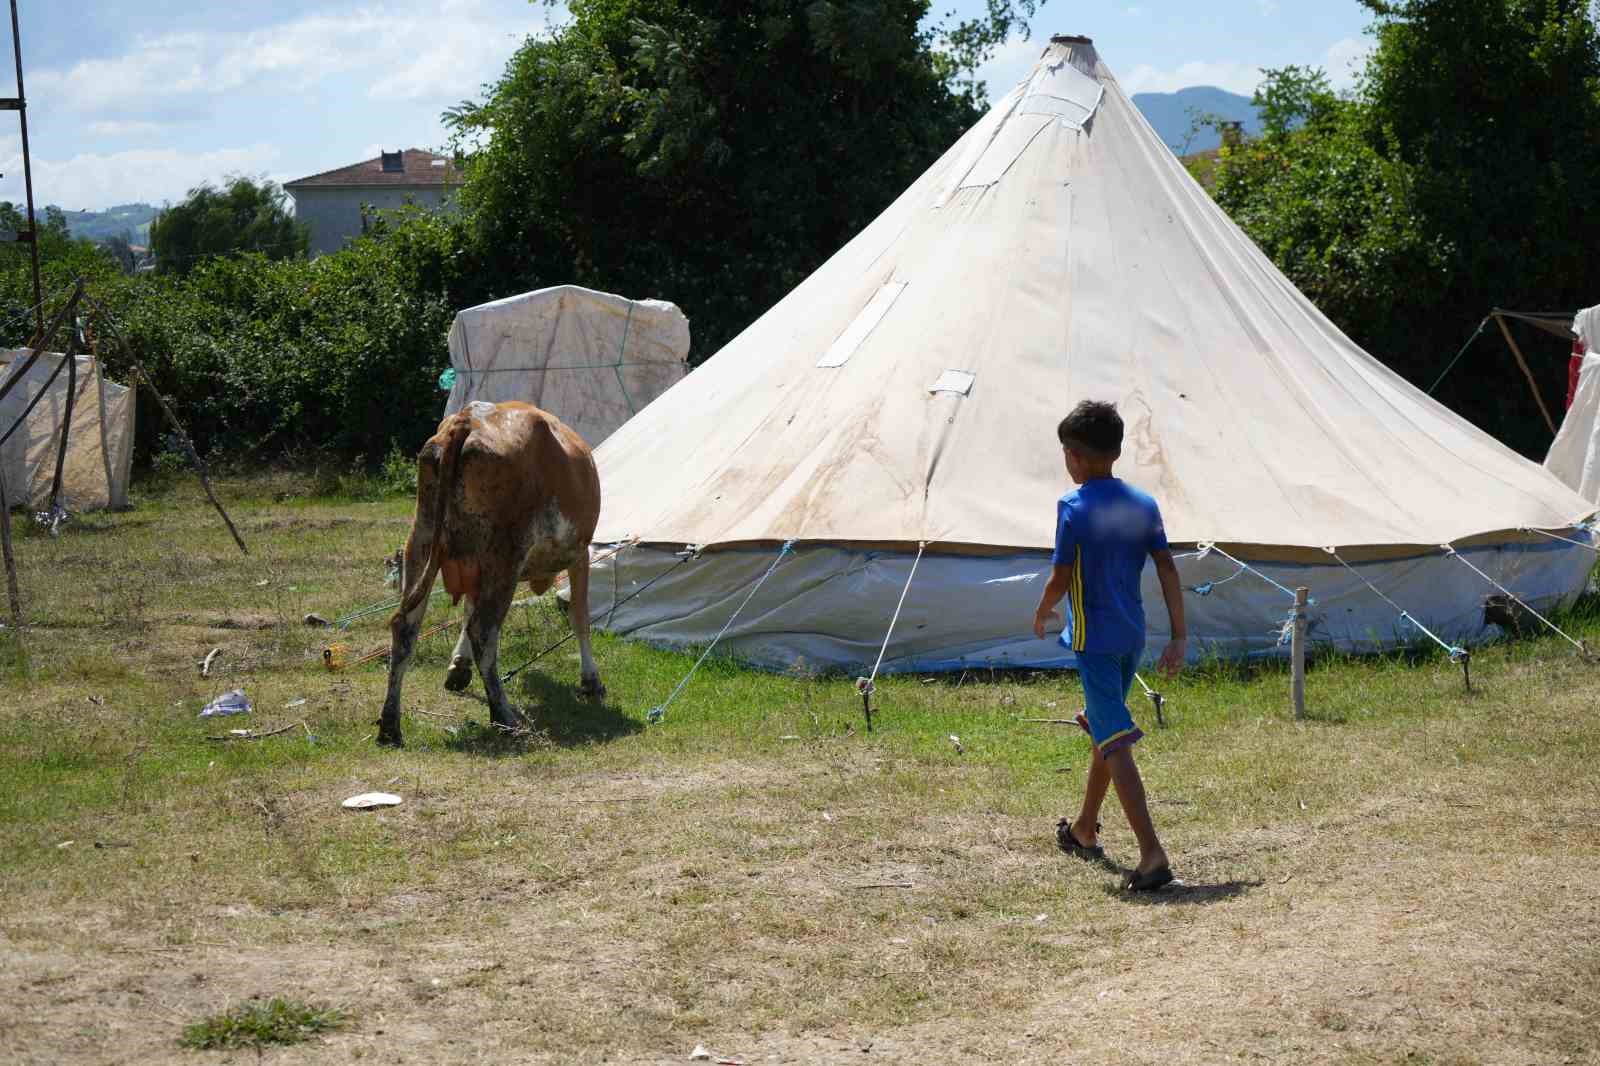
[
  {"x": 1538, "y": 397},
  {"x": 41, "y": 340},
  {"x": 177, "y": 427}
]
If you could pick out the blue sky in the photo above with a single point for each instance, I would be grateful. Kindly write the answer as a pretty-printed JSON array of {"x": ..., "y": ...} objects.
[{"x": 142, "y": 101}]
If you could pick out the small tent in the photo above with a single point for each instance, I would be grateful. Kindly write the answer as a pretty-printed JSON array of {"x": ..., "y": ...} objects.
[
  {"x": 898, "y": 409},
  {"x": 1575, "y": 454},
  {"x": 592, "y": 359},
  {"x": 99, "y": 446}
]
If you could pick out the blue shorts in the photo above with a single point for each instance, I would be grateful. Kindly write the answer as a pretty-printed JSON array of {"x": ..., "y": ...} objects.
[{"x": 1106, "y": 681}]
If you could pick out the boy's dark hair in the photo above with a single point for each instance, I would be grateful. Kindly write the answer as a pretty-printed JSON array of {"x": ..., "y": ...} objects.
[{"x": 1093, "y": 426}]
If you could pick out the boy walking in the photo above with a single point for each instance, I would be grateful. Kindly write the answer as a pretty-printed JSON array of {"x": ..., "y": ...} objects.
[{"x": 1104, "y": 532}]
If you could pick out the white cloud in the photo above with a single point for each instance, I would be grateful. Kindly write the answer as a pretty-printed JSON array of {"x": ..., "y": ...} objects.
[
  {"x": 1011, "y": 62},
  {"x": 1241, "y": 78},
  {"x": 94, "y": 180},
  {"x": 120, "y": 128},
  {"x": 424, "y": 51},
  {"x": 1346, "y": 59}
]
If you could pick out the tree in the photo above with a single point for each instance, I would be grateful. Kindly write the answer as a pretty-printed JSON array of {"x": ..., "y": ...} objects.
[
  {"x": 119, "y": 246},
  {"x": 713, "y": 154},
  {"x": 240, "y": 216},
  {"x": 1458, "y": 177}
]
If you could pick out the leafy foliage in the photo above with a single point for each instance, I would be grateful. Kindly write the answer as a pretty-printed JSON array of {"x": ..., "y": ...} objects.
[
  {"x": 241, "y": 216},
  {"x": 714, "y": 154},
  {"x": 1459, "y": 177}
]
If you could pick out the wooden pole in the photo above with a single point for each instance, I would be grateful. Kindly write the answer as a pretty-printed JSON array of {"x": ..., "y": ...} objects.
[
  {"x": 1527, "y": 373},
  {"x": 12, "y": 591},
  {"x": 27, "y": 172},
  {"x": 1297, "y": 653},
  {"x": 177, "y": 427}
]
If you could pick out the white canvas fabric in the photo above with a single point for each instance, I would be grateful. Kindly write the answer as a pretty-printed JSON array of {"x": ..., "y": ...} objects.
[
  {"x": 99, "y": 446},
  {"x": 1081, "y": 262},
  {"x": 1575, "y": 453},
  {"x": 593, "y": 359}
]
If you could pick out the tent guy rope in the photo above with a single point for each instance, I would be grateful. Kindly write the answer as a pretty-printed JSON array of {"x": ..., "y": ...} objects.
[
  {"x": 1583, "y": 648},
  {"x": 1457, "y": 653},
  {"x": 865, "y": 685},
  {"x": 659, "y": 711}
]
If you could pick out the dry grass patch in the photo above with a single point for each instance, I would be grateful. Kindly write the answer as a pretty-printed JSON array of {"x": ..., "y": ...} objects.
[{"x": 1401, "y": 879}]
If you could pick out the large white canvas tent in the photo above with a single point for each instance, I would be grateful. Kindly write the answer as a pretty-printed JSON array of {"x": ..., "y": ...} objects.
[
  {"x": 99, "y": 446},
  {"x": 590, "y": 358},
  {"x": 907, "y": 393},
  {"x": 1575, "y": 455}
]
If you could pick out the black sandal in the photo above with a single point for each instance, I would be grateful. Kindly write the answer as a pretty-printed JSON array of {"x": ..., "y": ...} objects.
[{"x": 1071, "y": 845}]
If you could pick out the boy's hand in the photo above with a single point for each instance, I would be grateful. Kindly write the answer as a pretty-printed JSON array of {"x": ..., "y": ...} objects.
[
  {"x": 1042, "y": 620},
  {"x": 1173, "y": 658}
]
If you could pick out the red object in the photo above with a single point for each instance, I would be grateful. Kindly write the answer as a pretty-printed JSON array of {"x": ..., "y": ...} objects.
[{"x": 1573, "y": 366}]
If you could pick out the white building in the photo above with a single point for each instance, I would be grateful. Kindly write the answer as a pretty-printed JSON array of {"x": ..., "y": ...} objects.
[{"x": 337, "y": 205}]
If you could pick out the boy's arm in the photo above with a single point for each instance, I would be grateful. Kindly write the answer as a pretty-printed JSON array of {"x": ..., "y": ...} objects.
[
  {"x": 1177, "y": 649},
  {"x": 1054, "y": 592}
]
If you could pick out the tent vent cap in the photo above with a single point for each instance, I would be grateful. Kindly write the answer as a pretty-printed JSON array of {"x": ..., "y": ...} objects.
[
  {"x": 1070, "y": 38},
  {"x": 393, "y": 162}
]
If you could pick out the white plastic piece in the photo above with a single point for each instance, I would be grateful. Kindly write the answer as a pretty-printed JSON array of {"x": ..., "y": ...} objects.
[
  {"x": 956, "y": 381},
  {"x": 234, "y": 702},
  {"x": 1063, "y": 90},
  {"x": 862, "y": 325},
  {"x": 368, "y": 800}
]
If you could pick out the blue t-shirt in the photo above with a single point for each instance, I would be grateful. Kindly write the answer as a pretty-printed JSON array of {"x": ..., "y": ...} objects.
[{"x": 1106, "y": 530}]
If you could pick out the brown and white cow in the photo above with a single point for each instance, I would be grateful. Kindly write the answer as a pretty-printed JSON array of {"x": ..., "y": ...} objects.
[{"x": 505, "y": 492}]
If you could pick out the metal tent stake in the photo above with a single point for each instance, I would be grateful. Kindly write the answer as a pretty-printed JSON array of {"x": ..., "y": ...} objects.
[{"x": 1297, "y": 653}]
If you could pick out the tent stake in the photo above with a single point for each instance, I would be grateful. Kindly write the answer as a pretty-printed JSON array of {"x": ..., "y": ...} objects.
[{"x": 1297, "y": 654}]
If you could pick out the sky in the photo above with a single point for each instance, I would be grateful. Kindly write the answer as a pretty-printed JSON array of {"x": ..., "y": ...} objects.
[{"x": 141, "y": 102}]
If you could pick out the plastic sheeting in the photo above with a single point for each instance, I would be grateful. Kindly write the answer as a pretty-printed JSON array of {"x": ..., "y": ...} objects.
[
  {"x": 829, "y": 607},
  {"x": 1574, "y": 455},
  {"x": 590, "y": 358},
  {"x": 99, "y": 446}
]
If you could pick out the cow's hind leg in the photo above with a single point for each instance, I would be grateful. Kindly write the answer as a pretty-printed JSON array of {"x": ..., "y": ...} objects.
[
  {"x": 403, "y": 629},
  {"x": 483, "y": 631},
  {"x": 578, "y": 613},
  {"x": 460, "y": 675}
]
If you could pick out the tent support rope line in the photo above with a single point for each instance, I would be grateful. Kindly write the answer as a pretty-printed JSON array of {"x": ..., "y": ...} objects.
[
  {"x": 683, "y": 558},
  {"x": 866, "y": 685},
  {"x": 1457, "y": 653},
  {"x": 659, "y": 712},
  {"x": 1583, "y": 648},
  {"x": 1564, "y": 540}
]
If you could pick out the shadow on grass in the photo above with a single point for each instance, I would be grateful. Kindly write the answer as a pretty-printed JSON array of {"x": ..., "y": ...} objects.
[
  {"x": 558, "y": 716},
  {"x": 1182, "y": 893}
]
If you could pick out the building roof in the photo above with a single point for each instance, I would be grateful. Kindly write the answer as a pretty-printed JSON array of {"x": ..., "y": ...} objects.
[{"x": 416, "y": 168}]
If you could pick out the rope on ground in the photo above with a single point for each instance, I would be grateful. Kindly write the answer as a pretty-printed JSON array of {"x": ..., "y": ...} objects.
[
  {"x": 866, "y": 685},
  {"x": 1457, "y": 653},
  {"x": 1583, "y": 648},
  {"x": 687, "y": 555},
  {"x": 659, "y": 712}
]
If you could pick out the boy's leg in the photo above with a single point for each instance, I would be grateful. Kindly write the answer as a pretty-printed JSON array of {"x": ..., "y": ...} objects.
[
  {"x": 1085, "y": 828},
  {"x": 1124, "y": 773}
]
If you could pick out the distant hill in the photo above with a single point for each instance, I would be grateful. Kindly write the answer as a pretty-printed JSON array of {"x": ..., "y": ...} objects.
[
  {"x": 1169, "y": 114},
  {"x": 98, "y": 225}
]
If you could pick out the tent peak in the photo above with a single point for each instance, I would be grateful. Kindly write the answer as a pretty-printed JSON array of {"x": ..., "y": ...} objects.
[{"x": 1070, "y": 38}]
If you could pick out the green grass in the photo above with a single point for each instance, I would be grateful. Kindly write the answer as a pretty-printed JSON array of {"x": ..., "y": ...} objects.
[
  {"x": 256, "y": 1025},
  {"x": 1400, "y": 873}
]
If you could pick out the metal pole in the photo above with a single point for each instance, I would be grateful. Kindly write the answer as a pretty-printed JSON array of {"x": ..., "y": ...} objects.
[
  {"x": 1297, "y": 653},
  {"x": 27, "y": 170}
]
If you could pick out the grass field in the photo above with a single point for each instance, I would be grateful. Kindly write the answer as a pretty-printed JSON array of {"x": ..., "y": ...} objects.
[{"x": 1408, "y": 876}]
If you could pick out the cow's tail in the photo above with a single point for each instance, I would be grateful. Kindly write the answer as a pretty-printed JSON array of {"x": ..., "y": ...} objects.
[{"x": 444, "y": 488}]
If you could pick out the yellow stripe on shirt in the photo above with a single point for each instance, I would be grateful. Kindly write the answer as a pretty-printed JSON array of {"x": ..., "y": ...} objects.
[{"x": 1080, "y": 621}]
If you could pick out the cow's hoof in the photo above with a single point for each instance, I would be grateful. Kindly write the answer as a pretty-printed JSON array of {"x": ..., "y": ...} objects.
[
  {"x": 459, "y": 677},
  {"x": 591, "y": 688}
]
